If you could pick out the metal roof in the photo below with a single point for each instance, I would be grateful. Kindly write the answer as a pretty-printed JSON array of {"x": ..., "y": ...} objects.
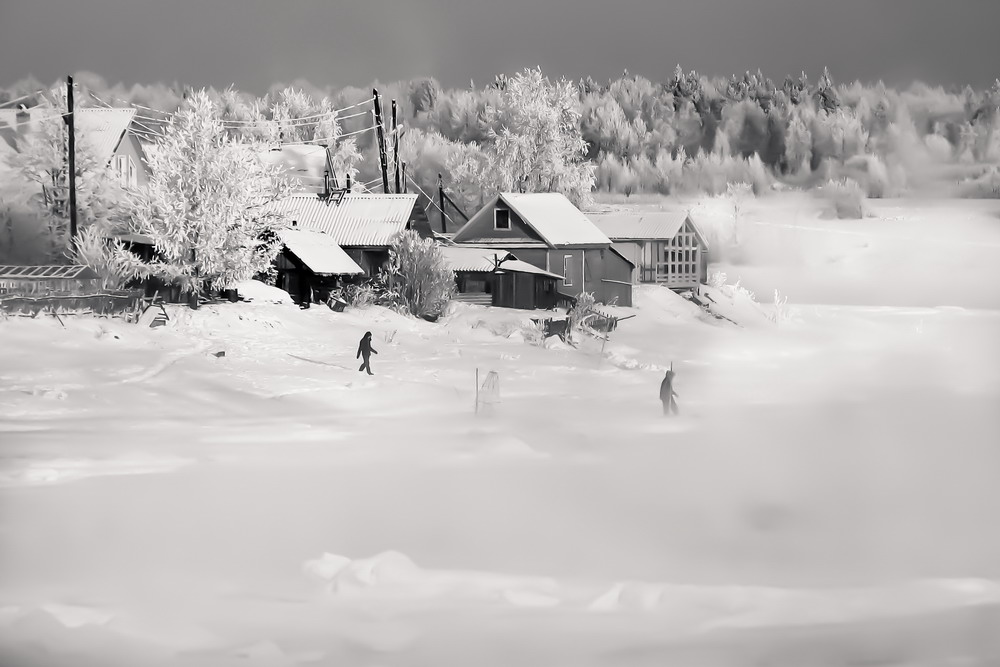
[
  {"x": 359, "y": 220},
  {"x": 102, "y": 129},
  {"x": 485, "y": 260},
  {"x": 59, "y": 272},
  {"x": 652, "y": 225},
  {"x": 555, "y": 218},
  {"x": 319, "y": 252}
]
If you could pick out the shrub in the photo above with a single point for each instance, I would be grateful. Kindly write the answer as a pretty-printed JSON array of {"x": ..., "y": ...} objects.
[
  {"x": 847, "y": 198},
  {"x": 417, "y": 276},
  {"x": 359, "y": 296}
]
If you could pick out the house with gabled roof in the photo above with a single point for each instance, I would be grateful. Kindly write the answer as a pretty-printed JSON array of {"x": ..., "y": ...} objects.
[
  {"x": 546, "y": 230},
  {"x": 666, "y": 247},
  {"x": 364, "y": 225},
  {"x": 105, "y": 131}
]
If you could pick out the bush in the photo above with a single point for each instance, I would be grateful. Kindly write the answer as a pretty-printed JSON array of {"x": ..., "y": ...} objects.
[
  {"x": 417, "y": 278},
  {"x": 847, "y": 198},
  {"x": 359, "y": 296}
]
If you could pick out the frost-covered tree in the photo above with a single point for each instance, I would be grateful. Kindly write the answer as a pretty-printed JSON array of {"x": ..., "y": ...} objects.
[
  {"x": 206, "y": 205},
  {"x": 539, "y": 146},
  {"x": 418, "y": 275}
]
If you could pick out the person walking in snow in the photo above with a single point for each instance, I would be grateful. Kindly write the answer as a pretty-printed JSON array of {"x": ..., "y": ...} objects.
[
  {"x": 667, "y": 393},
  {"x": 365, "y": 351}
]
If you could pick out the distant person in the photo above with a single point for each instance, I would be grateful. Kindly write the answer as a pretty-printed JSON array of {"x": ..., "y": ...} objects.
[
  {"x": 365, "y": 351},
  {"x": 667, "y": 393}
]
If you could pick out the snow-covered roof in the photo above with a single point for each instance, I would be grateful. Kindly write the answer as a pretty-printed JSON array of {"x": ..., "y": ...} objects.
[
  {"x": 319, "y": 252},
  {"x": 554, "y": 218},
  {"x": 359, "y": 220},
  {"x": 103, "y": 129},
  {"x": 639, "y": 225},
  {"x": 461, "y": 258}
]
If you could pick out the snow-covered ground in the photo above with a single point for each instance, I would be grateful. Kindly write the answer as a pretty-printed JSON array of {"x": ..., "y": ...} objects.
[{"x": 828, "y": 495}]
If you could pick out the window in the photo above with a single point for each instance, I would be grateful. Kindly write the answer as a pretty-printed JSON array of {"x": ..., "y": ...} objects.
[
  {"x": 501, "y": 218},
  {"x": 568, "y": 270},
  {"x": 125, "y": 171}
]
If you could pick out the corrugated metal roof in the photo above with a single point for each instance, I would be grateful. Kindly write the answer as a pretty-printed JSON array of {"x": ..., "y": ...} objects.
[
  {"x": 319, "y": 252},
  {"x": 650, "y": 225},
  {"x": 555, "y": 218},
  {"x": 359, "y": 220},
  {"x": 103, "y": 129},
  {"x": 50, "y": 272},
  {"x": 485, "y": 260}
]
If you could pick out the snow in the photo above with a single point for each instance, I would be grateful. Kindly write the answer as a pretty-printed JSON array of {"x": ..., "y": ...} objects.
[{"x": 827, "y": 495}]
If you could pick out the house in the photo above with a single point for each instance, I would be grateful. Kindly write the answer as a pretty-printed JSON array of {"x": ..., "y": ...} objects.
[
  {"x": 549, "y": 232},
  {"x": 497, "y": 278},
  {"x": 665, "y": 246},
  {"x": 311, "y": 265},
  {"x": 105, "y": 132},
  {"x": 364, "y": 225}
]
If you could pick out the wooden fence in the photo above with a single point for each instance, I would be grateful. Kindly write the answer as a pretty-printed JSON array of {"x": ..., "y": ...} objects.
[{"x": 107, "y": 302}]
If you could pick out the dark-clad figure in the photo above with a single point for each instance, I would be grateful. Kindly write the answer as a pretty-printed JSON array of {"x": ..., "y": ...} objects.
[
  {"x": 667, "y": 393},
  {"x": 365, "y": 351}
]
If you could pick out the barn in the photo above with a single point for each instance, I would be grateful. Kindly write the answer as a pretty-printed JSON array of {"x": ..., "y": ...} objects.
[{"x": 665, "y": 247}]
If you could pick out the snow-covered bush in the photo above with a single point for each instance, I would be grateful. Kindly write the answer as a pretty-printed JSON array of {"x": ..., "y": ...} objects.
[
  {"x": 110, "y": 259},
  {"x": 847, "y": 198},
  {"x": 418, "y": 275},
  {"x": 533, "y": 333},
  {"x": 779, "y": 313},
  {"x": 359, "y": 296}
]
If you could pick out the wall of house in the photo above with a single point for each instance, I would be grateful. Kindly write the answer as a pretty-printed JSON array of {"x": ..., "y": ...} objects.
[
  {"x": 130, "y": 146},
  {"x": 481, "y": 228},
  {"x": 601, "y": 266},
  {"x": 574, "y": 272},
  {"x": 633, "y": 251}
]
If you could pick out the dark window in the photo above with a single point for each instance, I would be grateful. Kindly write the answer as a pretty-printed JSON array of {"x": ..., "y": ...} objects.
[{"x": 501, "y": 219}]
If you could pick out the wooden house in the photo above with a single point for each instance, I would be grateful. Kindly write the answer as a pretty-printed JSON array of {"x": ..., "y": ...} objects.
[
  {"x": 497, "y": 278},
  {"x": 666, "y": 247},
  {"x": 547, "y": 231},
  {"x": 364, "y": 225},
  {"x": 311, "y": 265},
  {"x": 105, "y": 132}
]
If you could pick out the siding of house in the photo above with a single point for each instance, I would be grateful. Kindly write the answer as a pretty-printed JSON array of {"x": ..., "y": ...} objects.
[
  {"x": 130, "y": 146},
  {"x": 480, "y": 229},
  {"x": 632, "y": 250}
]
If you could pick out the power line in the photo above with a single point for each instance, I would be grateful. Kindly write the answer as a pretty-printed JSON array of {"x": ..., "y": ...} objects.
[
  {"x": 417, "y": 186},
  {"x": 22, "y": 97}
]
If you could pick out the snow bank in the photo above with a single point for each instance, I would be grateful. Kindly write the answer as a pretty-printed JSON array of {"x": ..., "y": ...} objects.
[
  {"x": 663, "y": 304},
  {"x": 392, "y": 576},
  {"x": 254, "y": 290},
  {"x": 750, "y": 606},
  {"x": 395, "y": 576}
]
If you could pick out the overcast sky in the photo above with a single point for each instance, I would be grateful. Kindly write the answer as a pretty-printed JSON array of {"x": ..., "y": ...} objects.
[{"x": 254, "y": 43}]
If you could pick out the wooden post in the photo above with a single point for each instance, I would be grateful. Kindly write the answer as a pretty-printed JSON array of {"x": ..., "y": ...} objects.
[
  {"x": 405, "y": 188},
  {"x": 444, "y": 224},
  {"x": 395, "y": 146},
  {"x": 381, "y": 142},
  {"x": 348, "y": 181},
  {"x": 477, "y": 391},
  {"x": 71, "y": 157}
]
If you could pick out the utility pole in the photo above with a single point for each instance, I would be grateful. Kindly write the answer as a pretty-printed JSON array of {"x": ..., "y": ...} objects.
[
  {"x": 395, "y": 146},
  {"x": 405, "y": 188},
  {"x": 444, "y": 224},
  {"x": 71, "y": 157},
  {"x": 381, "y": 141}
]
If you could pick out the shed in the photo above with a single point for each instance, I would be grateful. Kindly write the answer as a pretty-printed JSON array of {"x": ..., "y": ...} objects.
[
  {"x": 311, "y": 265},
  {"x": 666, "y": 247},
  {"x": 364, "y": 225},
  {"x": 491, "y": 278}
]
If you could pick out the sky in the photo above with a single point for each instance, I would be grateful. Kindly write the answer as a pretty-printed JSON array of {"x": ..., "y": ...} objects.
[{"x": 256, "y": 43}]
